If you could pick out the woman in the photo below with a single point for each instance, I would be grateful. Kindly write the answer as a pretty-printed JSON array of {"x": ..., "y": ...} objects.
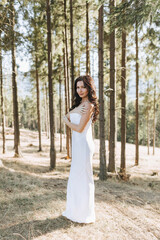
[{"x": 80, "y": 187}]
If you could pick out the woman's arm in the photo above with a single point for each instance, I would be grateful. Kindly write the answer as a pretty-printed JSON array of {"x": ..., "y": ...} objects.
[
  {"x": 68, "y": 116},
  {"x": 84, "y": 119}
]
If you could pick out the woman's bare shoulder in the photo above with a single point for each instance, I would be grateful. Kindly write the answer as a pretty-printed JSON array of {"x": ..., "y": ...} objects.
[
  {"x": 89, "y": 105},
  {"x": 73, "y": 110}
]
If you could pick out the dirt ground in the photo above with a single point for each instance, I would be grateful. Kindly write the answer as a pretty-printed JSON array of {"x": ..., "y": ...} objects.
[{"x": 32, "y": 198}]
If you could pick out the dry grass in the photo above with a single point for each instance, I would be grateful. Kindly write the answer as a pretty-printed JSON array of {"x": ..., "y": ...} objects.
[{"x": 32, "y": 198}]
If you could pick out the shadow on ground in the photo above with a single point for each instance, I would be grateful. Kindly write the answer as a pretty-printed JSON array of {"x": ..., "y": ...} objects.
[
  {"x": 36, "y": 228},
  {"x": 17, "y": 165}
]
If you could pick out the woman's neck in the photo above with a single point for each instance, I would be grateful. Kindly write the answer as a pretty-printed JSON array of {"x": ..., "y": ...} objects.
[{"x": 84, "y": 100}]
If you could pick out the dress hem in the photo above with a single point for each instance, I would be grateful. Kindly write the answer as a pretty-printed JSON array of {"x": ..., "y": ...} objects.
[{"x": 74, "y": 220}]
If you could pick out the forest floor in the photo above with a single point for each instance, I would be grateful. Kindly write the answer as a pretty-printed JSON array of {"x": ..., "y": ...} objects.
[{"x": 32, "y": 198}]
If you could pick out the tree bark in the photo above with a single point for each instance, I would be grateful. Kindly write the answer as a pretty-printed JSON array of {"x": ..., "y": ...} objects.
[
  {"x": 14, "y": 84},
  {"x": 108, "y": 123},
  {"x": 68, "y": 79},
  {"x": 102, "y": 174},
  {"x": 154, "y": 117},
  {"x": 123, "y": 104},
  {"x": 137, "y": 96},
  {"x": 148, "y": 132},
  {"x": 2, "y": 100},
  {"x": 87, "y": 40},
  {"x": 60, "y": 111},
  {"x": 38, "y": 106},
  {"x": 50, "y": 84},
  {"x": 37, "y": 84},
  {"x": 72, "y": 50},
  {"x": 65, "y": 81},
  {"x": 66, "y": 100},
  {"x": 66, "y": 55},
  {"x": 111, "y": 166},
  {"x": 46, "y": 110}
]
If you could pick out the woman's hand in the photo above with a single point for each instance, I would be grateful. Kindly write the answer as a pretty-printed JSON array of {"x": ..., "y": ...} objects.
[{"x": 83, "y": 109}]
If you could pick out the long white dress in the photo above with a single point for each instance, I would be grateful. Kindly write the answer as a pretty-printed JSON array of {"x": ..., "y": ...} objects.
[{"x": 80, "y": 186}]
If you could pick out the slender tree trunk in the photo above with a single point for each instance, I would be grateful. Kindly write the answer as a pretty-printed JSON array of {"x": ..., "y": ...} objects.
[
  {"x": 115, "y": 96},
  {"x": 66, "y": 100},
  {"x": 111, "y": 167},
  {"x": 46, "y": 110},
  {"x": 123, "y": 104},
  {"x": 137, "y": 96},
  {"x": 65, "y": 83},
  {"x": 37, "y": 84},
  {"x": 60, "y": 111},
  {"x": 14, "y": 84},
  {"x": 2, "y": 101},
  {"x": 154, "y": 117},
  {"x": 72, "y": 50},
  {"x": 108, "y": 123},
  {"x": 68, "y": 80},
  {"x": 148, "y": 132},
  {"x": 66, "y": 55},
  {"x": 87, "y": 39},
  {"x": 50, "y": 82},
  {"x": 38, "y": 107},
  {"x": 102, "y": 174}
]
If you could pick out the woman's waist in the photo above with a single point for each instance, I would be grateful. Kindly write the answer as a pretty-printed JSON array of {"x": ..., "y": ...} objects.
[
  {"x": 84, "y": 136},
  {"x": 85, "y": 133}
]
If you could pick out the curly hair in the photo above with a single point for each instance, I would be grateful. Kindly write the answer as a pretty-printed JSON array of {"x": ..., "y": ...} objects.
[{"x": 89, "y": 84}]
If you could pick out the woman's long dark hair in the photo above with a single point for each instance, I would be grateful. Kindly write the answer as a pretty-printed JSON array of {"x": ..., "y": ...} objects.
[{"x": 89, "y": 84}]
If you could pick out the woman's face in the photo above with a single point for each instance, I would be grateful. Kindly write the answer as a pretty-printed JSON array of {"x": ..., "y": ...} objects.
[{"x": 81, "y": 89}]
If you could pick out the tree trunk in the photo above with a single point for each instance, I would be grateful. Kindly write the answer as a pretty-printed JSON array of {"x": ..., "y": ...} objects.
[
  {"x": 68, "y": 79},
  {"x": 87, "y": 40},
  {"x": 102, "y": 174},
  {"x": 72, "y": 50},
  {"x": 46, "y": 110},
  {"x": 123, "y": 104},
  {"x": 2, "y": 100},
  {"x": 60, "y": 111},
  {"x": 65, "y": 83},
  {"x": 66, "y": 50},
  {"x": 50, "y": 84},
  {"x": 37, "y": 84},
  {"x": 111, "y": 167},
  {"x": 154, "y": 116},
  {"x": 14, "y": 84},
  {"x": 66, "y": 100},
  {"x": 148, "y": 132},
  {"x": 108, "y": 123},
  {"x": 38, "y": 105},
  {"x": 137, "y": 97}
]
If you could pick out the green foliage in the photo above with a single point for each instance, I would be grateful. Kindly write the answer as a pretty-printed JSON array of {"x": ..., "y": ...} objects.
[
  {"x": 27, "y": 116},
  {"x": 130, "y": 125},
  {"x": 134, "y": 10}
]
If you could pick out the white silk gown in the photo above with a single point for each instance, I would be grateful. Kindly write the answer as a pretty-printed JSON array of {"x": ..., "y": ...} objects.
[{"x": 80, "y": 186}]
